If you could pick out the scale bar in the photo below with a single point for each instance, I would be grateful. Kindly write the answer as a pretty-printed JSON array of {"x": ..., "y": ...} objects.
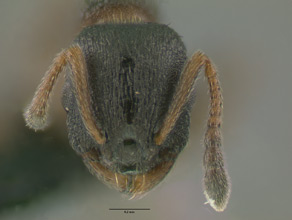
[{"x": 128, "y": 209}]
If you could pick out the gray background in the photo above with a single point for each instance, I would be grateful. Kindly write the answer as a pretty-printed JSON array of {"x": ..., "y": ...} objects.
[{"x": 249, "y": 41}]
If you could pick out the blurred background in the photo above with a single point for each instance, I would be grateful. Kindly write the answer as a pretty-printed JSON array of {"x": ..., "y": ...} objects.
[{"x": 249, "y": 41}]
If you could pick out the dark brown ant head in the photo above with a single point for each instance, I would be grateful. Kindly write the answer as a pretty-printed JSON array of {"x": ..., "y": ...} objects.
[
  {"x": 129, "y": 89},
  {"x": 128, "y": 99}
]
